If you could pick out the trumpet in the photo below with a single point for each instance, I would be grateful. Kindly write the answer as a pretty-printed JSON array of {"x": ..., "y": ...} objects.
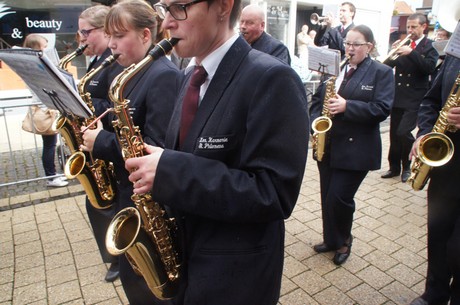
[
  {"x": 315, "y": 18},
  {"x": 392, "y": 55}
]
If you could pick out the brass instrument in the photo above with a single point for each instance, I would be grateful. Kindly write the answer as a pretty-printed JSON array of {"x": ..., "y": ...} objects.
[
  {"x": 315, "y": 18},
  {"x": 392, "y": 55},
  {"x": 69, "y": 57},
  {"x": 435, "y": 148},
  {"x": 96, "y": 176},
  {"x": 152, "y": 251},
  {"x": 322, "y": 124}
]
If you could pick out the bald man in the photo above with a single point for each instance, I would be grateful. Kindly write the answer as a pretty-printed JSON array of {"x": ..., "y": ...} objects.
[{"x": 252, "y": 28}]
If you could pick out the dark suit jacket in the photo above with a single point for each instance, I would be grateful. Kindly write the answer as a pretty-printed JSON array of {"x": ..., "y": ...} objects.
[
  {"x": 355, "y": 142},
  {"x": 412, "y": 74},
  {"x": 237, "y": 178},
  {"x": 267, "y": 44},
  {"x": 99, "y": 85},
  {"x": 332, "y": 37},
  {"x": 151, "y": 94}
]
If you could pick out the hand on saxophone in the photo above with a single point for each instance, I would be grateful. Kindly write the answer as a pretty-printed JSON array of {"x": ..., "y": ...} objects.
[
  {"x": 453, "y": 116},
  {"x": 89, "y": 137},
  {"x": 413, "y": 151},
  {"x": 143, "y": 169},
  {"x": 337, "y": 105}
]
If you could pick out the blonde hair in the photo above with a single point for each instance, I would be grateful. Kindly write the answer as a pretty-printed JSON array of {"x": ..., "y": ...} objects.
[
  {"x": 34, "y": 41},
  {"x": 95, "y": 15}
]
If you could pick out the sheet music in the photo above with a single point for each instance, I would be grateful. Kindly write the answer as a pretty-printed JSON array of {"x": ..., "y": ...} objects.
[
  {"x": 42, "y": 76},
  {"x": 324, "y": 60},
  {"x": 453, "y": 46}
]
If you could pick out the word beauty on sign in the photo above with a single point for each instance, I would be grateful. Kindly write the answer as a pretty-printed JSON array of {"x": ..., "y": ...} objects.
[{"x": 44, "y": 24}]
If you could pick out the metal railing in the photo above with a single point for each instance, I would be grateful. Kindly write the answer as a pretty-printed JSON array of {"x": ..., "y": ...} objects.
[{"x": 17, "y": 144}]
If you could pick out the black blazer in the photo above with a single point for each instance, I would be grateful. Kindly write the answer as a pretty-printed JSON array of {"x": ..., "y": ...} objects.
[
  {"x": 354, "y": 139},
  {"x": 332, "y": 37},
  {"x": 99, "y": 85},
  {"x": 151, "y": 94},
  {"x": 267, "y": 44},
  {"x": 412, "y": 74},
  {"x": 237, "y": 178}
]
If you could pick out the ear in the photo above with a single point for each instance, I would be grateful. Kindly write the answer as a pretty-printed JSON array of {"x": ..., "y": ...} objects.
[
  {"x": 146, "y": 35},
  {"x": 225, "y": 8}
]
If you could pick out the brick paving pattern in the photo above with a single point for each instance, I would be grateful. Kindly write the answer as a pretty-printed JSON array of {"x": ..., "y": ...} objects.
[{"x": 48, "y": 254}]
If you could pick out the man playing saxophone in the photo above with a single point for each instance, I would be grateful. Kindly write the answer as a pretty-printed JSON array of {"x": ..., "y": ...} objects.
[{"x": 443, "y": 197}]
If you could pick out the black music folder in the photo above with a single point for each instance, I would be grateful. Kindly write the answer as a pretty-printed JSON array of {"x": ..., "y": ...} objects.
[{"x": 54, "y": 87}]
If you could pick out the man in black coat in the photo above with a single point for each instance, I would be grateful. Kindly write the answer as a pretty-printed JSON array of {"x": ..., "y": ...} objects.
[
  {"x": 252, "y": 28},
  {"x": 443, "y": 274},
  {"x": 333, "y": 37},
  {"x": 413, "y": 67}
]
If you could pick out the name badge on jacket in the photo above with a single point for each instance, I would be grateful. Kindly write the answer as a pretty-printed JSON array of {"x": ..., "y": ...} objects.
[{"x": 213, "y": 143}]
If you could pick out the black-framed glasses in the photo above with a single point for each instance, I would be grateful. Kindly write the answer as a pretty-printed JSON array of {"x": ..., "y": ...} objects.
[
  {"x": 85, "y": 33},
  {"x": 177, "y": 10},
  {"x": 354, "y": 44}
]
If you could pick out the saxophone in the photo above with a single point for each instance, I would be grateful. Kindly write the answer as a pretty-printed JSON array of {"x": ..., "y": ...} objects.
[
  {"x": 435, "y": 148},
  {"x": 152, "y": 250},
  {"x": 321, "y": 125},
  {"x": 69, "y": 57},
  {"x": 96, "y": 176}
]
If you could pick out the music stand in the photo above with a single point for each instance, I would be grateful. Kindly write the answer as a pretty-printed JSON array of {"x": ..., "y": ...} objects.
[{"x": 45, "y": 80}]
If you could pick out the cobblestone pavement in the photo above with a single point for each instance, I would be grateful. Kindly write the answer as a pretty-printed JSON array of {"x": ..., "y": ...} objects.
[{"x": 48, "y": 254}]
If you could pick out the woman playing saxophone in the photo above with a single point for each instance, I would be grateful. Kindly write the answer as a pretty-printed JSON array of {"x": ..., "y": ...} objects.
[
  {"x": 133, "y": 29},
  {"x": 363, "y": 100}
]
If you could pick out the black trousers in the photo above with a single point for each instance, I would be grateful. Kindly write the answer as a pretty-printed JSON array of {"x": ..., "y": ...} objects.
[
  {"x": 443, "y": 274},
  {"x": 338, "y": 189},
  {"x": 402, "y": 123}
]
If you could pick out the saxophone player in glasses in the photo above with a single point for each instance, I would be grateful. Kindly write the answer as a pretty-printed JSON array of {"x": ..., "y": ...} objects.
[
  {"x": 443, "y": 198},
  {"x": 234, "y": 157},
  {"x": 133, "y": 29},
  {"x": 353, "y": 146}
]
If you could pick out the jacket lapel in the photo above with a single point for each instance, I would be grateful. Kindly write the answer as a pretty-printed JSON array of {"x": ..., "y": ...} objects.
[
  {"x": 222, "y": 78},
  {"x": 357, "y": 78}
]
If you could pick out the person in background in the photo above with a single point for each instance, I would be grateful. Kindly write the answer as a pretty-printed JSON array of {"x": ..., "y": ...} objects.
[
  {"x": 133, "y": 29},
  {"x": 303, "y": 41},
  {"x": 230, "y": 174},
  {"x": 91, "y": 33},
  {"x": 442, "y": 34},
  {"x": 312, "y": 35},
  {"x": 443, "y": 272},
  {"x": 38, "y": 42},
  {"x": 333, "y": 37},
  {"x": 252, "y": 28},
  {"x": 413, "y": 66},
  {"x": 354, "y": 146}
]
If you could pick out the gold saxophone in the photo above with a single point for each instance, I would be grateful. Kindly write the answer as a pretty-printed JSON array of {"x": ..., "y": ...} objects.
[
  {"x": 435, "y": 148},
  {"x": 152, "y": 251},
  {"x": 95, "y": 175},
  {"x": 69, "y": 57},
  {"x": 322, "y": 124}
]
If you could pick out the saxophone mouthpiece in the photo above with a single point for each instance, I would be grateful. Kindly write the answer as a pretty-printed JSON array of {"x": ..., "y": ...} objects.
[
  {"x": 163, "y": 47},
  {"x": 109, "y": 60},
  {"x": 80, "y": 49}
]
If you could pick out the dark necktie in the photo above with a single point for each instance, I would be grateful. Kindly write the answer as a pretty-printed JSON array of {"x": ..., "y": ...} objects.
[
  {"x": 191, "y": 98},
  {"x": 342, "y": 29},
  {"x": 347, "y": 76},
  {"x": 413, "y": 44}
]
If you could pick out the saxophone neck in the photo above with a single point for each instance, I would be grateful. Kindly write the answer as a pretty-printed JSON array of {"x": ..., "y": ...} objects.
[
  {"x": 69, "y": 57},
  {"x": 88, "y": 76}
]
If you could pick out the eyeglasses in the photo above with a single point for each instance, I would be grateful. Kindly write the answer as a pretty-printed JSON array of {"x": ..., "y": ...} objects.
[
  {"x": 177, "y": 10},
  {"x": 85, "y": 33},
  {"x": 354, "y": 44}
]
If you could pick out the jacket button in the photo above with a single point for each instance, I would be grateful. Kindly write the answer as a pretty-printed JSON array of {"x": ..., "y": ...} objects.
[
  {"x": 350, "y": 139},
  {"x": 399, "y": 84},
  {"x": 408, "y": 75},
  {"x": 407, "y": 85},
  {"x": 400, "y": 75}
]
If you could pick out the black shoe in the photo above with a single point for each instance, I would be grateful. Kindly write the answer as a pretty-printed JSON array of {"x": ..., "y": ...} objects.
[
  {"x": 112, "y": 273},
  {"x": 422, "y": 301},
  {"x": 322, "y": 248},
  {"x": 405, "y": 175},
  {"x": 340, "y": 258},
  {"x": 390, "y": 174}
]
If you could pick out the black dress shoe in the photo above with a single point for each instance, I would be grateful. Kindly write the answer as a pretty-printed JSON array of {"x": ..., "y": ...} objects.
[
  {"x": 390, "y": 174},
  {"x": 322, "y": 248},
  {"x": 405, "y": 175},
  {"x": 112, "y": 273},
  {"x": 340, "y": 258}
]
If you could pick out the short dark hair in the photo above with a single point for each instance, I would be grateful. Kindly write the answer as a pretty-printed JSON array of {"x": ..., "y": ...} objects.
[
  {"x": 420, "y": 17},
  {"x": 235, "y": 14},
  {"x": 352, "y": 8}
]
